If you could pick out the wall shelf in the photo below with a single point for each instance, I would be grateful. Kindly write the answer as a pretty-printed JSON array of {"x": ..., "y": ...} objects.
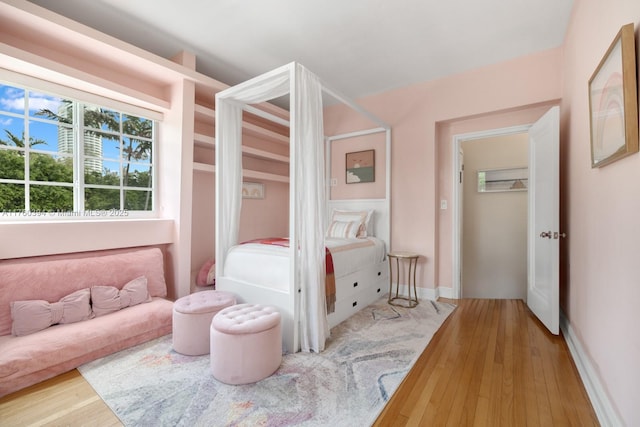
[{"x": 510, "y": 179}]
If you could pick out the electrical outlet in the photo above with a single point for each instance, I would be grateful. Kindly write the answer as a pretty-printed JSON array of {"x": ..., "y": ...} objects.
[
  {"x": 443, "y": 204},
  {"x": 334, "y": 182}
]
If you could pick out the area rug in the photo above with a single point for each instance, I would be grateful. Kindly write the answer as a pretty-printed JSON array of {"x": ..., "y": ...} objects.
[{"x": 348, "y": 384}]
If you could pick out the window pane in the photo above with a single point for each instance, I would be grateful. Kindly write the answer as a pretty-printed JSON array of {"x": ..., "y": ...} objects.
[
  {"x": 11, "y": 99},
  {"x": 11, "y": 164},
  {"x": 99, "y": 144},
  {"x": 136, "y": 200},
  {"x": 137, "y": 126},
  {"x": 136, "y": 175},
  {"x": 50, "y": 137},
  {"x": 136, "y": 150},
  {"x": 101, "y": 118},
  {"x": 104, "y": 173},
  {"x": 49, "y": 198},
  {"x": 50, "y": 107},
  {"x": 11, "y": 197},
  {"x": 44, "y": 167},
  {"x": 100, "y": 198},
  {"x": 12, "y": 134}
]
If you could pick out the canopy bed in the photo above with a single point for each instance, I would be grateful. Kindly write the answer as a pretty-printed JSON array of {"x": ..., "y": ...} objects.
[{"x": 296, "y": 278}]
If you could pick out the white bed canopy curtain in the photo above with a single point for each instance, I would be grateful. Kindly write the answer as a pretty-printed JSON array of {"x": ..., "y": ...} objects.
[{"x": 307, "y": 187}]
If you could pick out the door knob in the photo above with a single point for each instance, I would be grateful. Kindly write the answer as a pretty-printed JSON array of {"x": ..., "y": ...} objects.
[
  {"x": 557, "y": 235},
  {"x": 546, "y": 234}
]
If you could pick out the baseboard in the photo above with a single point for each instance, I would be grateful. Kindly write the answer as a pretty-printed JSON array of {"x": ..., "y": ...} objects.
[
  {"x": 605, "y": 412},
  {"x": 423, "y": 293},
  {"x": 445, "y": 292},
  {"x": 429, "y": 293}
]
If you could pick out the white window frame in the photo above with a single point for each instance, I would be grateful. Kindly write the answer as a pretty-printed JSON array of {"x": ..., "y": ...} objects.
[{"x": 80, "y": 98}]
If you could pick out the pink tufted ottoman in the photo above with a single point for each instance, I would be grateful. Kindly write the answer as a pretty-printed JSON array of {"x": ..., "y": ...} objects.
[
  {"x": 246, "y": 343},
  {"x": 192, "y": 316}
]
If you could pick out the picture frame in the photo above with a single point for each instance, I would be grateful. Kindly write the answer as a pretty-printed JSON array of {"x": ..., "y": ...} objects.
[
  {"x": 252, "y": 190},
  {"x": 360, "y": 166},
  {"x": 613, "y": 102}
]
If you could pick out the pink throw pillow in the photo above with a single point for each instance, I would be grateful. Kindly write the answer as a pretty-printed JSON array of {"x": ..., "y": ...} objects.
[
  {"x": 35, "y": 315},
  {"x": 207, "y": 274},
  {"x": 107, "y": 299}
]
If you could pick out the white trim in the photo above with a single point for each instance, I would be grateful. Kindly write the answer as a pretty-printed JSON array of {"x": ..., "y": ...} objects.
[
  {"x": 605, "y": 411},
  {"x": 456, "y": 291},
  {"x": 445, "y": 292},
  {"x": 40, "y": 85}
]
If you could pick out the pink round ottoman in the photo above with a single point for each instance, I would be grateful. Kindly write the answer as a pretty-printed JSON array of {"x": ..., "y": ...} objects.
[
  {"x": 192, "y": 316},
  {"x": 246, "y": 343}
]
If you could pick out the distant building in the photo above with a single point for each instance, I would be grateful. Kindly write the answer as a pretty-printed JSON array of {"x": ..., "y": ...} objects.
[{"x": 92, "y": 143}]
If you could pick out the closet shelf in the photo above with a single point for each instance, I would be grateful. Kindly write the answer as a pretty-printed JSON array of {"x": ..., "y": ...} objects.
[
  {"x": 204, "y": 167},
  {"x": 205, "y": 141},
  {"x": 247, "y": 173},
  {"x": 262, "y": 154}
]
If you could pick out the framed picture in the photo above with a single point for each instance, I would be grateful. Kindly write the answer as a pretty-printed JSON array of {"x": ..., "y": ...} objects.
[
  {"x": 613, "y": 104},
  {"x": 252, "y": 190},
  {"x": 361, "y": 166}
]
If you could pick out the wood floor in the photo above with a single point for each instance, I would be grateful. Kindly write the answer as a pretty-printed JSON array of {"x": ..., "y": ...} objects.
[{"x": 491, "y": 364}]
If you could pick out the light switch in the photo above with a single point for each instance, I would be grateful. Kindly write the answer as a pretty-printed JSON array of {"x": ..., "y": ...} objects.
[
  {"x": 334, "y": 182},
  {"x": 443, "y": 204}
]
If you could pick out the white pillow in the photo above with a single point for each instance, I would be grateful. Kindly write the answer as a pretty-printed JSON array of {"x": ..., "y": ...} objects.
[
  {"x": 343, "y": 229},
  {"x": 363, "y": 218}
]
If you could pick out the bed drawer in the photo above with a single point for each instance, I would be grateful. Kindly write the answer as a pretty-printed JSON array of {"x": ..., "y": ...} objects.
[
  {"x": 347, "y": 307},
  {"x": 354, "y": 283}
]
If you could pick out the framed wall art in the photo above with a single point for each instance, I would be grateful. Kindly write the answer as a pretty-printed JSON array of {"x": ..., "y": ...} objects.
[
  {"x": 361, "y": 166},
  {"x": 613, "y": 102},
  {"x": 252, "y": 190}
]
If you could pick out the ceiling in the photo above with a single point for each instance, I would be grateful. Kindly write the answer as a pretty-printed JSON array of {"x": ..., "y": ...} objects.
[{"x": 358, "y": 47}]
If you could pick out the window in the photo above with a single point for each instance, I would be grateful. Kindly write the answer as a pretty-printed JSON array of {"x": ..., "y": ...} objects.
[{"x": 61, "y": 157}]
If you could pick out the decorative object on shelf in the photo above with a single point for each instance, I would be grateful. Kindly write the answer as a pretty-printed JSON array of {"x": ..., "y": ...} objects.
[
  {"x": 507, "y": 179},
  {"x": 361, "y": 166},
  {"x": 613, "y": 104},
  {"x": 252, "y": 190}
]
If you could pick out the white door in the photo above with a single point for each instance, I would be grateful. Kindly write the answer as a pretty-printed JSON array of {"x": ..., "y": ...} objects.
[{"x": 543, "y": 233}]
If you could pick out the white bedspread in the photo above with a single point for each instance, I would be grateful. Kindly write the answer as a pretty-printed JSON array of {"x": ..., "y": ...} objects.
[{"x": 268, "y": 265}]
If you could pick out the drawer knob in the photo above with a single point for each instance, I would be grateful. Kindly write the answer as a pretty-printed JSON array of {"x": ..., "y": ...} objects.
[
  {"x": 355, "y": 284},
  {"x": 355, "y": 303}
]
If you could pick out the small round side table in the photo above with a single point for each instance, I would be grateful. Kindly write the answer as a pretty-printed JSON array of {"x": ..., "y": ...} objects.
[{"x": 412, "y": 259}]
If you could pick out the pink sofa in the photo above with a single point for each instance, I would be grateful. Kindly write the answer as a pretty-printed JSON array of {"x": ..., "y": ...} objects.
[{"x": 28, "y": 359}]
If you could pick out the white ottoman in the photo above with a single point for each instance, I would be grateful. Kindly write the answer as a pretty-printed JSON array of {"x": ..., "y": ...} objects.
[
  {"x": 192, "y": 316},
  {"x": 246, "y": 343}
]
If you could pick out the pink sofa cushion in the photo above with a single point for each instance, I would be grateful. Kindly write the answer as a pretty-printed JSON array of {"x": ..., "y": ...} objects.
[
  {"x": 35, "y": 315},
  {"x": 50, "y": 278},
  {"x": 107, "y": 299}
]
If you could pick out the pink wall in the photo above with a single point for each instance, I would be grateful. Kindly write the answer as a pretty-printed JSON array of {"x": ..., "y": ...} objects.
[
  {"x": 600, "y": 215},
  {"x": 415, "y": 113}
]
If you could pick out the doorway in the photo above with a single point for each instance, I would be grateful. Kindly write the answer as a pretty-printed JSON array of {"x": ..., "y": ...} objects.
[{"x": 490, "y": 227}]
